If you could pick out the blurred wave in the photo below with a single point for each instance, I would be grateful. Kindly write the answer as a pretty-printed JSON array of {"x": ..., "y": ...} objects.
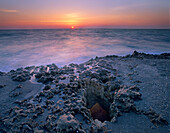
[{"x": 20, "y": 48}]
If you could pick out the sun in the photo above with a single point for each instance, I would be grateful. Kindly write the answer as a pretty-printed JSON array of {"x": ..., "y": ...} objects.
[{"x": 72, "y": 27}]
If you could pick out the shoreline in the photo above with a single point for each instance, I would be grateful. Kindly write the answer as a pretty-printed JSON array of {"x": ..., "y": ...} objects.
[
  {"x": 160, "y": 55},
  {"x": 131, "y": 92}
]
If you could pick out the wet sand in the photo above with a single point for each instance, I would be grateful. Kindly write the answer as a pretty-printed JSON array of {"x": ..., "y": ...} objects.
[{"x": 131, "y": 92}]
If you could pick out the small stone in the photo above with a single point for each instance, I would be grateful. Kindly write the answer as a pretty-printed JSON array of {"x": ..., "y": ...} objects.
[
  {"x": 49, "y": 95},
  {"x": 2, "y": 86},
  {"x": 19, "y": 86},
  {"x": 39, "y": 75},
  {"x": 47, "y": 87}
]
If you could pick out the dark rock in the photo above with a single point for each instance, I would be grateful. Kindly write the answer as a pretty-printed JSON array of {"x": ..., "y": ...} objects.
[
  {"x": 97, "y": 112},
  {"x": 2, "y": 73},
  {"x": 20, "y": 75},
  {"x": 135, "y": 53},
  {"x": 49, "y": 102},
  {"x": 137, "y": 81},
  {"x": 19, "y": 78},
  {"x": 2, "y": 86},
  {"x": 19, "y": 86},
  {"x": 48, "y": 79},
  {"x": 47, "y": 87},
  {"x": 39, "y": 110},
  {"x": 113, "y": 87},
  {"x": 41, "y": 79},
  {"x": 56, "y": 109},
  {"x": 39, "y": 75},
  {"x": 49, "y": 95},
  {"x": 54, "y": 73},
  {"x": 45, "y": 79}
]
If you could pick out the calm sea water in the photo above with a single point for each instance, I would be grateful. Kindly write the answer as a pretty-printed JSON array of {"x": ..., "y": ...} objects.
[{"x": 20, "y": 48}]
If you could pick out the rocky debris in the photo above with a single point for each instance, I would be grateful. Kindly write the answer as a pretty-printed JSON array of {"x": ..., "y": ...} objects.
[
  {"x": 66, "y": 70},
  {"x": 76, "y": 98},
  {"x": 124, "y": 101},
  {"x": 150, "y": 56},
  {"x": 52, "y": 67},
  {"x": 100, "y": 74},
  {"x": 47, "y": 74},
  {"x": 49, "y": 102},
  {"x": 112, "y": 86},
  {"x": 26, "y": 128},
  {"x": 16, "y": 91},
  {"x": 45, "y": 79},
  {"x": 39, "y": 110},
  {"x": 56, "y": 109},
  {"x": 30, "y": 69},
  {"x": 2, "y": 73},
  {"x": 39, "y": 75},
  {"x": 98, "y": 126},
  {"x": 68, "y": 123},
  {"x": 20, "y": 75},
  {"x": 43, "y": 69},
  {"x": 155, "y": 118},
  {"x": 61, "y": 115},
  {"x": 49, "y": 95}
]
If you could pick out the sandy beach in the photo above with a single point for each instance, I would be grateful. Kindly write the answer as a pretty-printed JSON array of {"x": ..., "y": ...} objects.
[{"x": 113, "y": 94}]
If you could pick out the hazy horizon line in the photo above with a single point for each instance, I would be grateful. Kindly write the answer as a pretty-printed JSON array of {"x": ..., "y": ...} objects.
[{"x": 135, "y": 28}]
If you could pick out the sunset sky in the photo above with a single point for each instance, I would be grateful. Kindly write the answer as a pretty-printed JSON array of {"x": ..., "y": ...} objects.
[{"x": 84, "y": 14}]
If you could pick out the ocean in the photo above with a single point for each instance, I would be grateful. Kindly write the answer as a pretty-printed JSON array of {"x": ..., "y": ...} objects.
[{"x": 21, "y": 48}]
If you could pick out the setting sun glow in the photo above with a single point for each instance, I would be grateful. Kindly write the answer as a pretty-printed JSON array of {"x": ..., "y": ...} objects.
[{"x": 84, "y": 14}]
